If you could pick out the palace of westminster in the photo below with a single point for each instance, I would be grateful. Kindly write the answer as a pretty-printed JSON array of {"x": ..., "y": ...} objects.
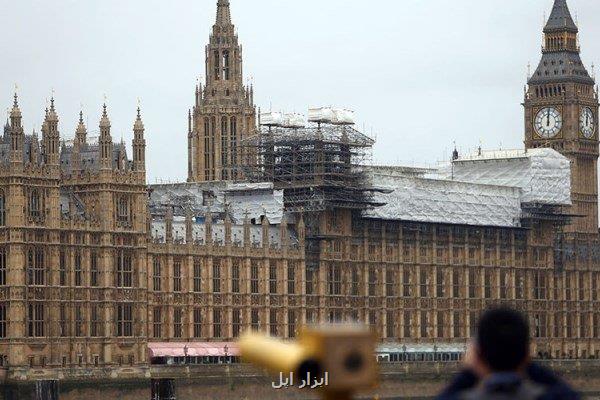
[{"x": 282, "y": 224}]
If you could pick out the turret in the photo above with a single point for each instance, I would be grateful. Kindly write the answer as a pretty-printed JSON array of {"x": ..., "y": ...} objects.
[
  {"x": 34, "y": 148},
  {"x": 208, "y": 228},
  {"x": 265, "y": 231},
  {"x": 284, "y": 232},
  {"x": 105, "y": 141},
  {"x": 247, "y": 231},
  {"x": 139, "y": 144},
  {"x": 189, "y": 227},
  {"x": 81, "y": 131},
  {"x": 51, "y": 137},
  {"x": 17, "y": 137},
  {"x": 76, "y": 157},
  {"x": 169, "y": 225},
  {"x": 301, "y": 231}
]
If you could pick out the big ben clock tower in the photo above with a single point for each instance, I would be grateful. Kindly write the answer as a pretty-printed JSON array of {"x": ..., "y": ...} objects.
[{"x": 561, "y": 112}]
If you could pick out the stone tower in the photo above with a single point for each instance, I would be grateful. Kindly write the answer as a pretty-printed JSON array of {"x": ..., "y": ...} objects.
[
  {"x": 561, "y": 112},
  {"x": 224, "y": 112}
]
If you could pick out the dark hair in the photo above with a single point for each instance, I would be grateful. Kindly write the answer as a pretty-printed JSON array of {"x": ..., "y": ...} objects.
[{"x": 503, "y": 339}]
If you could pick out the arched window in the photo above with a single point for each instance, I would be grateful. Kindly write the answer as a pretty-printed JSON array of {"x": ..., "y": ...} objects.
[
  {"x": 3, "y": 265},
  {"x": 217, "y": 67},
  {"x": 226, "y": 69},
  {"x": 233, "y": 140},
  {"x": 224, "y": 149},
  {"x": 36, "y": 269},
  {"x": 34, "y": 204},
  {"x": 123, "y": 210},
  {"x": 124, "y": 272},
  {"x": 2, "y": 208}
]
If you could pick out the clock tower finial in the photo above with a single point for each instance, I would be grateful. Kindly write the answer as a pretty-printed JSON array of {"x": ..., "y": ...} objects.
[{"x": 561, "y": 112}]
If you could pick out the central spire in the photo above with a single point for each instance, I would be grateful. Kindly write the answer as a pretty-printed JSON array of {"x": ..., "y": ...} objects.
[
  {"x": 560, "y": 19},
  {"x": 223, "y": 13}
]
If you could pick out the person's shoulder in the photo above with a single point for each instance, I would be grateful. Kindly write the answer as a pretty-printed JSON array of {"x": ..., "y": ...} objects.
[
  {"x": 463, "y": 381},
  {"x": 555, "y": 387}
]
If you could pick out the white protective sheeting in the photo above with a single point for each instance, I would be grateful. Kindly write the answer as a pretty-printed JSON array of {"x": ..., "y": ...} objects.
[
  {"x": 329, "y": 115},
  {"x": 293, "y": 121},
  {"x": 544, "y": 175},
  {"x": 271, "y": 118},
  {"x": 251, "y": 200},
  {"x": 413, "y": 198},
  {"x": 343, "y": 117},
  {"x": 321, "y": 114}
]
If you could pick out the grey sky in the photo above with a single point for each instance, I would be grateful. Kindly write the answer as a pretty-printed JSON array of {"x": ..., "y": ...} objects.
[{"x": 421, "y": 73}]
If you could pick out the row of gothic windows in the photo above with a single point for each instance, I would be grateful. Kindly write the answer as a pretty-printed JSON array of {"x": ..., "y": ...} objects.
[
  {"x": 549, "y": 91},
  {"x": 36, "y": 268},
  {"x": 217, "y": 280}
]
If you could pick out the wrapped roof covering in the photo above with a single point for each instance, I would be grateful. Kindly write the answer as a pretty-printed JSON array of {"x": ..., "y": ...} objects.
[
  {"x": 253, "y": 200},
  {"x": 337, "y": 116},
  {"x": 409, "y": 197},
  {"x": 543, "y": 175},
  {"x": 289, "y": 120},
  {"x": 487, "y": 189}
]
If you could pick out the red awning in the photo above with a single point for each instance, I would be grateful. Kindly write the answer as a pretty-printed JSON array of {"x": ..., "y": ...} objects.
[{"x": 192, "y": 349}]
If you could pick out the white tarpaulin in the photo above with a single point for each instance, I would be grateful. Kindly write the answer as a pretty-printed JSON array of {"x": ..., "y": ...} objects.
[
  {"x": 544, "y": 175},
  {"x": 413, "y": 198},
  {"x": 271, "y": 118},
  {"x": 338, "y": 116}
]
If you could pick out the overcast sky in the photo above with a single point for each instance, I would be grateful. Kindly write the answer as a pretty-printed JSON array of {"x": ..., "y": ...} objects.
[{"x": 420, "y": 74}]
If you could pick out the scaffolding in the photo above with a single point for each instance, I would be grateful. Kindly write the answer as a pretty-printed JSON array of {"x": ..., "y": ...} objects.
[
  {"x": 534, "y": 213},
  {"x": 319, "y": 168}
]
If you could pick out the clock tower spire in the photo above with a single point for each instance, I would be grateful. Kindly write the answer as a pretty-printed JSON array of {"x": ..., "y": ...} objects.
[{"x": 561, "y": 112}]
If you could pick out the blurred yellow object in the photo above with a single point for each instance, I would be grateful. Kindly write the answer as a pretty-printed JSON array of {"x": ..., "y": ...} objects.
[{"x": 342, "y": 356}]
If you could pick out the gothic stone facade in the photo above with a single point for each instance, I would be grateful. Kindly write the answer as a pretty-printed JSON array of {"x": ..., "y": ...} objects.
[{"x": 82, "y": 282}]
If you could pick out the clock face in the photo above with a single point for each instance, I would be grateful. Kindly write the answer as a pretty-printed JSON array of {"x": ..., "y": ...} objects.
[
  {"x": 587, "y": 122},
  {"x": 548, "y": 122}
]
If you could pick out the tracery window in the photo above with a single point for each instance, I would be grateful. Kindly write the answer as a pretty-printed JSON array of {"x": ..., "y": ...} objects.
[
  {"x": 36, "y": 269},
  {"x": 177, "y": 322},
  {"x": 124, "y": 320},
  {"x": 233, "y": 140},
  {"x": 273, "y": 278},
  {"x": 197, "y": 275},
  {"x": 236, "y": 319},
  {"x": 78, "y": 268},
  {"x": 226, "y": 67},
  {"x": 235, "y": 277},
  {"x": 123, "y": 210},
  {"x": 156, "y": 275},
  {"x": 197, "y": 322},
  {"x": 124, "y": 272},
  {"x": 157, "y": 322},
  {"x": 96, "y": 321},
  {"x": 217, "y": 323},
  {"x": 2, "y": 208},
  {"x": 94, "y": 273},
  {"x": 3, "y": 266},
  {"x": 35, "y": 320},
  {"x": 177, "y": 276},
  {"x": 3, "y": 320},
  {"x": 291, "y": 278},
  {"x": 34, "y": 204},
  {"x": 79, "y": 321}
]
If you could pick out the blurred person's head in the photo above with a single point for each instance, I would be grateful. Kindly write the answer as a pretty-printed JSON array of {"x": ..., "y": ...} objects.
[{"x": 502, "y": 340}]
